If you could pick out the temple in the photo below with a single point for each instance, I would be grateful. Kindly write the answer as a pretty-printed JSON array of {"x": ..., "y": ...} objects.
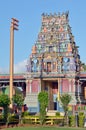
[{"x": 54, "y": 65}]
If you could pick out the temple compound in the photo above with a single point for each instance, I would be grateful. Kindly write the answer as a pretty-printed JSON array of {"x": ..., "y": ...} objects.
[{"x": 54, "y": 64}]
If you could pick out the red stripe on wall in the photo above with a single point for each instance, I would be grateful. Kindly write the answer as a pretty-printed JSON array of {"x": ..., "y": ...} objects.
[
  {"x": 65, "y": 85},
  {"x": 34, "y": 86}
]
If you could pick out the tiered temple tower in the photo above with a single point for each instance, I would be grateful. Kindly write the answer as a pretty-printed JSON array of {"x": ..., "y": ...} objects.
[{"x": 54, "y": 63}]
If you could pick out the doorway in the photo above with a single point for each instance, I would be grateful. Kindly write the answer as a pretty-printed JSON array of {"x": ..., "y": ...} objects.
[
  {"x": 52, "y": 88},
  {"x": 55, "y": 91}
]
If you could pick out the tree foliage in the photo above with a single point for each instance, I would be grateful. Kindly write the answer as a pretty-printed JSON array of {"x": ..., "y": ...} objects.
[
  {"x": 81, "y": 119},
  {"x": 83, "y": 66},
  {"x": 43, "y": 101},
  {"x": 5, "y": 102},
  {"x": 43, "y": 98},
  {"x": 18, "y": 100},
  {"x": 65, "y": 100}
]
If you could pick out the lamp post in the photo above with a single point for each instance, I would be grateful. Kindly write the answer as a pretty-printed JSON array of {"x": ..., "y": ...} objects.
[
  {"x": 14, "y": 26},
  {"x": 76, "y": 119},
  {"x": 85, "y": 119}
]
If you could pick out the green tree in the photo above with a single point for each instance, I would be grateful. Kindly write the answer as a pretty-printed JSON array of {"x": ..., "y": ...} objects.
[
  {"x": 84, "y": 66},
  {"x": 43, "y": 101},
  {"x": 18, "y": 100},
  {"x": 5, "y": 102},
  {"x": 65, "y": 100}
]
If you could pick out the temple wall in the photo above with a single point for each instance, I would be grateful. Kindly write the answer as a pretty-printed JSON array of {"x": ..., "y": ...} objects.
[
  {"x": 68, "y": 85},
  {"x": 65, "y": 85},
  {"x": 33, "y": 88}
]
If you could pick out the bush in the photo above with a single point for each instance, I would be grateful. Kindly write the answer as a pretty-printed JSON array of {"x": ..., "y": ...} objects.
[
  {"x": 26, "y": 113},
  {"x": 43, "y": 101},
  {"x": 1, "y": 117},
  {"x": 57, "y": 113},
  {"x": 81, "y": 119},
  {"x": 13, "y": 118},
  {"x": 58, "y": 121},
  {"x": 72, "y": 121},
  {"x": 27, "y": 121},
  {"x": 2, "y": 120},
  {"x": 81, "y": 113}
]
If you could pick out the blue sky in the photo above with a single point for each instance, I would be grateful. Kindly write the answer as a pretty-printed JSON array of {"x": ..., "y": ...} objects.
[{"x": 28, "y": 12}]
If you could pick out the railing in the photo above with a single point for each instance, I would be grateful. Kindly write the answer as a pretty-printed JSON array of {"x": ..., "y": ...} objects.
[
  {"x": 48, "y": 120},
  {"x": 31, "y": 120}
]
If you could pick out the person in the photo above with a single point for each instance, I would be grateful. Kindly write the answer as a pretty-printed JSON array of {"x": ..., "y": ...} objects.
[{"x": 25, "y": 107}]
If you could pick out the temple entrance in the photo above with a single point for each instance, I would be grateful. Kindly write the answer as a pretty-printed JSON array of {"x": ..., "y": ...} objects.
[{"x": 52, "y": 88}]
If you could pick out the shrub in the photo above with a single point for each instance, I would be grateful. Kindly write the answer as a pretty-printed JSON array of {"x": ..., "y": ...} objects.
[
  {"x": 1, "y": 117},
  {"x": 2, "y": 120},
  {"x": 43, "y": 101},
  {"x": 26, "y": 113},
  {"x": 13, "y": 118},
  {"x": 72, "y": 120},
  {"x": 81, "y": 119},
  {"x": 27, "y": 121},
  {"x": 58, "y": 121},
  {"x": 4, "y": 103},
  {"x": 57, "y": 113}
]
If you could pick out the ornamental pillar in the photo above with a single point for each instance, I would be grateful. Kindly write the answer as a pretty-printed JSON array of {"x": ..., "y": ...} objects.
[
  {"x": 70, "y": 85},
  {"x": 30, "y": 86},
  {"x": 26, "y": 87}
]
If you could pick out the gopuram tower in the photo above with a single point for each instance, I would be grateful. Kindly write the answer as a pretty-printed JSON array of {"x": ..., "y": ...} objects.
[{"x": 54, "y": 63}]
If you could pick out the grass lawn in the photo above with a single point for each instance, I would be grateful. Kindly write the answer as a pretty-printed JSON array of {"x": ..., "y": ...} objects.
[{"x": 43, "y": 128}]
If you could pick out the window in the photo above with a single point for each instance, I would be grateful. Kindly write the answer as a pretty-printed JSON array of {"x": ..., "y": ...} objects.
[
  {"x": 50, "y": 48},
  {"x": 54, "y": 66},
  {"x": 51, "y": 37},
  {"x": 52, "y": 29}
]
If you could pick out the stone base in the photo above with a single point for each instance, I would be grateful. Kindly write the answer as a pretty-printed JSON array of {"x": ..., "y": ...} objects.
[{"x": 51, "y": 113}]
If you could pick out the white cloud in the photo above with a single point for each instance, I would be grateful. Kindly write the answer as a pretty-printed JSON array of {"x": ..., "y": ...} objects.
[{"x": 18, "y": 68}]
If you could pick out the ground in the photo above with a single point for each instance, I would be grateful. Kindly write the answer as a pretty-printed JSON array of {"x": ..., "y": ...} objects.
[{"x": 43, "y": 128}]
